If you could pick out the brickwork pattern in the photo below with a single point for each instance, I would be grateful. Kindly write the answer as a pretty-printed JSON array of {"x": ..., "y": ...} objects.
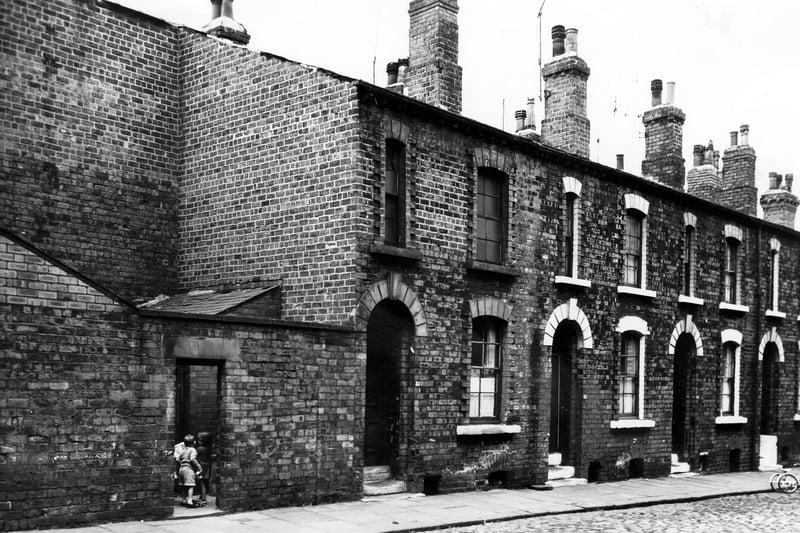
[
  {"x": 266, "y": 193},
  {"x": 663, "y": 146},
  {"x": 566, "y": 125},
  {"x": 88, "y": 163},
  {"x": 738, "y": 179}
]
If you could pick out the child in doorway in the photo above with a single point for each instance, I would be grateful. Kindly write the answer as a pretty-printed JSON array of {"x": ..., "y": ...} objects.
[
  {"x": 188, "y": 470},
  {"x": 204, "y": 457}
]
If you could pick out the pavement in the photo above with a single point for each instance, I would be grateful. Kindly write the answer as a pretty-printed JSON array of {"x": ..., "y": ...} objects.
[{"x": 416, "y": 512}]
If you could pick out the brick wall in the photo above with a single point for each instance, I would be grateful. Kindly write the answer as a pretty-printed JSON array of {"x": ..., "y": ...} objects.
[
  {"x": 82, "y": 437},
  {"x": 269, "y": 150},
  {"x": 88, "y": 163}
]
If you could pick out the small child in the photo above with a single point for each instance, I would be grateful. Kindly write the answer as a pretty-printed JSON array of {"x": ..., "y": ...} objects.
[
  {"x": 188, "y": 469},
  {"x": 204, "y": 457}
]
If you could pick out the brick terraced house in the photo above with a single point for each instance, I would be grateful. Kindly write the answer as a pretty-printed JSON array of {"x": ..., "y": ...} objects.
[{"x": 355, "y": 288}]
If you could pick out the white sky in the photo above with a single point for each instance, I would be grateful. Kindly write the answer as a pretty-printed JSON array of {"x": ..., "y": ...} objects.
[{"x": 733, "y": 61}]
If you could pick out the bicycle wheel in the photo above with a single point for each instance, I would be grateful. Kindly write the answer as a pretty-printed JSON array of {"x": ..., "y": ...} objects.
[
  {"x": 773, "y": 480},
  {"x": 788, "y": 483}
]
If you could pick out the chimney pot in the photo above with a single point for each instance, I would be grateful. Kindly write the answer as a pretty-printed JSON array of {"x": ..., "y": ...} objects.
[
  {"x": 530, "y": 120},
  {"x": 734, "y": 138},
  {"x": 216, "y": 9},
  {"x": 520, "y": 115},
  {"x": 559, "y": 34},
  {"x": 699, "y": 154},
  {"x": 391, "y": 72},
  {"x": 227, "y": 8},
  {"x": 571, "y": 41},
  {"x": 774, "y": 180},
  {"x": 620, "y": 161},
  {"x": 670, "y": 96},
  {"x": 788, "y": 182},
  {"x": 655, "y": 88},
  {"x": 744, "y": 130}
]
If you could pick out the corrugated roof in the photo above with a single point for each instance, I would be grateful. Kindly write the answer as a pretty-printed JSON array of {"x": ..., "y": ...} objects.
[{"x": 205, "y": 302}]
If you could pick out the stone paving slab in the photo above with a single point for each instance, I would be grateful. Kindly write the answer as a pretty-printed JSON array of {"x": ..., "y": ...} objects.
[{"x": 405, "y": 513}]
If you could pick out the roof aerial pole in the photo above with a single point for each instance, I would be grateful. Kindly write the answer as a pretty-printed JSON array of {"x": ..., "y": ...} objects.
[{"x": 539, "y": 16}]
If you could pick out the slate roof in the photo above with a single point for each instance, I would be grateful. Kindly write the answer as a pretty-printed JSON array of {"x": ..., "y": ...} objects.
[{"x": 206, "y": 302}]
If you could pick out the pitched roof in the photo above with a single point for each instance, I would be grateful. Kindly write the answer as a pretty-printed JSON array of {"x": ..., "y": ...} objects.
[{"x": 205, "y": 302}]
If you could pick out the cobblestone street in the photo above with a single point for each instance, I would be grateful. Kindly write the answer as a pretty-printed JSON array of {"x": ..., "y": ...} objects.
[{"x": 766, "y": 512}]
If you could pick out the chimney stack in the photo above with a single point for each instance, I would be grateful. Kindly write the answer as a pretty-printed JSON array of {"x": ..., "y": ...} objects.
[
  {"x": 222, "y": 24},
  {"x": 778, "y": 203},
  {"x": 434, "y": 75},
  {"x": 663, "y": 134},
  {"x": 565, "y": 124},
  {"x": 620, "y": 161},
  {"x": 704, "y": 180},
  {"x": 739, "y": 175}
]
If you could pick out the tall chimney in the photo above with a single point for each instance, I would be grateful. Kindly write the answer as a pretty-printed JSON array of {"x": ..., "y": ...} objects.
[
  {"x": 434, "y": 75},
  {"x": 565, "y": 124},
  {"x": 222, "y": 24},
  {"x": 739, "y": 175},
  {"x": 778, "y": 203},
  {"x": 663, "y": 134},
  {"x": 704, "y": 180}
]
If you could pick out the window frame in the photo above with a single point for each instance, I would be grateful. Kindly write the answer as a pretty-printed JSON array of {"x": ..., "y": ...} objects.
[
  {"x": 633, "y": 249},
  {"x": 775, "y": 277},
  {"x": 730, "y": 339},
  {"x": 483, "y": 219},
  {"x": 486, "y": 330},
  {"x": 627, "y": 379},
  {"x": 636, "y": 208},
  {"x": 730, "y": 271},
  {"x": 395, "y": 164},
  {"x": 636, "y": 328}
]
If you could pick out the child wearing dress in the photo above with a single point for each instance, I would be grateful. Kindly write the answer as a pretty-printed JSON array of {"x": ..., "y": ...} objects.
[{"x": 188, "y": 469}]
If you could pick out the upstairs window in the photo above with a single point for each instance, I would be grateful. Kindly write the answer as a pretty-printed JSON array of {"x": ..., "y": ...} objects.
[
  {"x": 634, "y": 233},
  {"x": 485, "y": 369},
  {"x": 394, "y": 193},
  {"x": 731, "y": 272},
  {"x": 688, "y": 261},
  {"x": 775, "y": 270},
  {"x": 492, "y": 215},
  {"x": 569, "y": 236}
]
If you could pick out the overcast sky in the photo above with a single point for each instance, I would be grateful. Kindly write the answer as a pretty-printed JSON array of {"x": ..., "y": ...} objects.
[{"x": 733, "y": 61}]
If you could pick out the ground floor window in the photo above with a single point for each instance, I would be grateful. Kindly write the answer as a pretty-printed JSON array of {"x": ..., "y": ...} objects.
[{"x": 485, "y": 368}]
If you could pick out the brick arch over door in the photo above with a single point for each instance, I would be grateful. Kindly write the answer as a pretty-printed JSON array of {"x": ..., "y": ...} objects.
[
  {"x": 686, "y": 326},
  {"x": 569, "y": 311},
  {"x": 771, "y": 336},
  {"x": 392, "y": 288}
]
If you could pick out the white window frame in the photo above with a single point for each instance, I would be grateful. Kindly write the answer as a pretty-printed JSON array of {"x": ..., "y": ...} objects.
[
  {"x": 734, "y": 233},
  {"x": 690, "y": 223},
  {"x": 634, "y": 202},
  {"x": 572, "y": 189},
  {"x": 775, "y": 279},
  {"x": 732, "y": 336},
  {"x": 637, "y": 326}
]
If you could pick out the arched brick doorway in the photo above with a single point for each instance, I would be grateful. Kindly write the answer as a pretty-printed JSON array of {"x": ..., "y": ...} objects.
[{"x": 682, "y": 380}]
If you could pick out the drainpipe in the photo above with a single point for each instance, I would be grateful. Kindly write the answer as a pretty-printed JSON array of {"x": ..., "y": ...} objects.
[{"x": 756, "y": 428}]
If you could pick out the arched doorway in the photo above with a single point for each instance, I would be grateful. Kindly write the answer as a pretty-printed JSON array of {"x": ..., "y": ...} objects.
[
  {"x": 769, "y": 389},
  {"x": 563, "y": 393},
  {"x": 682, "y": 379},
  {"x": 390, "y": 332}
]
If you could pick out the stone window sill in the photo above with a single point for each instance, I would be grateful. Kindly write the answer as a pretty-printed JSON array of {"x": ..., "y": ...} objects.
[
  {"x": 797, "y": 417},
  {"x": 729, "y": 419},
  {"x": 488, "y": 429},
  {"x": 636, "y": 291},
  {"x": 775, "y": 314},
  {"x": 573, "y": 282},
  {"x": 395, "y": 252},
  {"x": 733, "y": 308},
  {"x": 690, "y": 300},
  {"x": 491, "y": 268},
  {"x": 632, "y": 423}
]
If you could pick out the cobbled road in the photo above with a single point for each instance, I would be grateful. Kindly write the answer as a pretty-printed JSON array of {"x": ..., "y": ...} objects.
[{"x": 768, "y": 512}]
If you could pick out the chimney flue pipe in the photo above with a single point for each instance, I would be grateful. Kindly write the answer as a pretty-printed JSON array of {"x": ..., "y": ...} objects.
[
  {"x": 227, "y": 8},
  {"x": 744, "y": 131},
  {"x": 655, "y": 88},
  {"x": 669, "y": 98},
  {"x": 216, "y": 9},
  {"x": 559, "y": 34},
  {"x": 699, "y": 154},
  {"x": 571, "y": 40},
  {"x": 391, "y": 73},
  {"x": 620, "y": 161},
  {"x": 520, "y": 115}
]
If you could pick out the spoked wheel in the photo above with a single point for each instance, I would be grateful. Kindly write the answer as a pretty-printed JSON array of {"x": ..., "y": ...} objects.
[
  {"x": 788, "y": 483},
  {"x": 773, "y": 480}
]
